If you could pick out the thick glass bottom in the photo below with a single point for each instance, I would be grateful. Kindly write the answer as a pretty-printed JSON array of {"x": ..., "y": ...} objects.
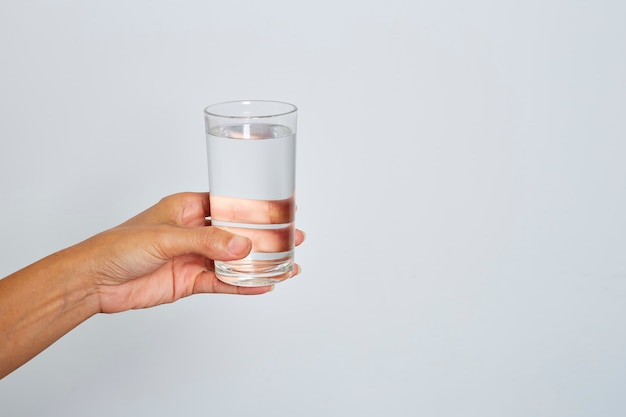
[{"x": 255, "y": 272}]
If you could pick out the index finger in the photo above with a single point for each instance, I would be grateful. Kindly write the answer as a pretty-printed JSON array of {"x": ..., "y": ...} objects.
[{"x": 182, "y": 209}]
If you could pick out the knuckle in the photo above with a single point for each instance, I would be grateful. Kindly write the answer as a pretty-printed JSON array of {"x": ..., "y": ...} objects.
[{"x": 214, "y": 239}]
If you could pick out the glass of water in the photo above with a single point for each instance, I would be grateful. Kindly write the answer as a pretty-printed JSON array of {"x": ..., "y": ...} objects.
[{"x": 251, "y": 147}]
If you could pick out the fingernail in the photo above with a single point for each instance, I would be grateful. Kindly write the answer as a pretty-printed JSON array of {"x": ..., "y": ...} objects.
[{"x": 238, "y": 244}]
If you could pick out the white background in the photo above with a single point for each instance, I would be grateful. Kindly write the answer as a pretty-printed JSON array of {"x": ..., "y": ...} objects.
[{"x": 461, "y": 177}]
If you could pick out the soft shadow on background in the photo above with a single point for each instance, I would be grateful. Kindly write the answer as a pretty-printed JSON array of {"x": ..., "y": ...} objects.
[{"x": 461, "y": 178}]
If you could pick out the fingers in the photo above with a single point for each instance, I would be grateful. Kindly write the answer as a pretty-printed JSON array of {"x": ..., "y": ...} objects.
[
  {"x": 266, "y": 240},
  {"x": 233, "y": 214},
  {"x": 300, "y": 236},
  {"x": 239, "y": 210},
  {"x": 184, "y": 209},
  {"x": 208, "y": 283},
  {"x": 191, "y": 209}
]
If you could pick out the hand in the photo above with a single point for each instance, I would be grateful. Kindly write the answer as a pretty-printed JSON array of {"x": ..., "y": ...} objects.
[
  {"x": 159, "y": 256},
  {"x": 162, "y": 255}
]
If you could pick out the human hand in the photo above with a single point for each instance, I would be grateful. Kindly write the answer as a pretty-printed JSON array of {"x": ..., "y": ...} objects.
[{"x": 163, "y": 254}]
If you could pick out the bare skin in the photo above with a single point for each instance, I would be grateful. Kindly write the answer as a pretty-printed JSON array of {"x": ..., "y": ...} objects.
[
  {"x": 229, "y": 209},
  {"x": 159, "y": 256}
]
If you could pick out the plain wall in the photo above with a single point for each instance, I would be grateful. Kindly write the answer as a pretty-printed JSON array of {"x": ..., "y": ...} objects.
[{"x": 461, "y": 178}]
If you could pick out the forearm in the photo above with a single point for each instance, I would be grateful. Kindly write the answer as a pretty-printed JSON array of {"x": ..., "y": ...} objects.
[{"x": 39, "y": 304}]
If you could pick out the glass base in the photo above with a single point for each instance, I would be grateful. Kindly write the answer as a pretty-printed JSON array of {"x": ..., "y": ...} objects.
[{"x": 254, "y": 273}]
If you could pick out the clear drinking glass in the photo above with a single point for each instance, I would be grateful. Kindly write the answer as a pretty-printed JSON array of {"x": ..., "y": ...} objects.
[{"x": 251, "y": 147}]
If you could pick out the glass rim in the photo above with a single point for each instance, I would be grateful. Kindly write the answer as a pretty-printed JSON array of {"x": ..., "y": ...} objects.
[{"x": 208, "y": 112}]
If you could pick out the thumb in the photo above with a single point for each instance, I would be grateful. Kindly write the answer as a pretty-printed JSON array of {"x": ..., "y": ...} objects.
[{"x": 209, "y": 241}]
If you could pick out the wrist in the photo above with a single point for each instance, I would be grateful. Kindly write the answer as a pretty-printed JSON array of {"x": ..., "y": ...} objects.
[
  {"x": 73, "y": 276},
  {"x": 40, "y": 304}
]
